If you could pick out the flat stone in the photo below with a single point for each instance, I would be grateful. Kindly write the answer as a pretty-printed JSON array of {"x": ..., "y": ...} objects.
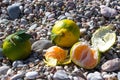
[
  {"x": 31, "y": 75},
  {"x": 111, "y": 65},
  {"x": 3, "y": 70},
  {"x": 18, "y": 76},
  {"x": 41, "y": 44},
  {"x": 60, "y": 75},
  {"x": 14, "y": 10},
  {"x": 94, "y": 76}
]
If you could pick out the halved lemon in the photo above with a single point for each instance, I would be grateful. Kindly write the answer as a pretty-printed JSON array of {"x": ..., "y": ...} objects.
[
  {"x": 84, "y": 56},
  {"x": 56, "y": 56},
  {"x": 103, "y": 38}
]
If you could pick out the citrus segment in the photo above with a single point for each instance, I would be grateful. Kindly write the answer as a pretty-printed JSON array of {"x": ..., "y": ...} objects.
[
  {"x": 103, "y": 38},
  {"x": 84, "y": 56},
  {"x": 57, "y": 55},
  {"x": 65, "y": 33}
]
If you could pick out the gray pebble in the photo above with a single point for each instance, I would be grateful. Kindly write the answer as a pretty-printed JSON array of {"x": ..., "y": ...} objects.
[
  {"x": 18, "y": 76},
  {"x": 14, "y": 11},
  {"x": 67, "y": 14},
  {"x": 60, "y": 75},
  {"x": 16, "y": 63},
  {"x": 33, "y": 27},
  {"x": 3, "y": 70},
  {"x": 118, "y": 75},
  {"x": 51, "y": 15},
  {"x": 94, "y": 76},
  {"x": 1, "y": 54},
  {"x": 31, "y": 75},
  {"x": 111, "y": 65},
  {"x": 23, "y": 22},
  {"x": 41, "y": 44},
  {"x": 107, "y": 11},
  {"x": 47, "y": 14},
  {"x": 62, "y": 17}
]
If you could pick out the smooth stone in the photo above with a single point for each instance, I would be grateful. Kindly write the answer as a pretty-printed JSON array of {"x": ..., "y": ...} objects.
[
  {"x": 62, "y": 17},
  {"x": 118, "y": 75},
  {"x": 4, "y": 21},
  {"x": 111, "y": 65},
  {"x": 94, "y": 76},
  {"x": 23, "y": 22},
  {"x": 60, "y": 75},
  {"x": 67, "y": 14},
  {"x": 107, "y": 11},
  {"x": 27, "y": 11},
  {"x": 14, "y": 10},
  {"x": 18, "y": 76},
  {"x": 88, "y": 14},
  {"x": 3, "y": 70},
  {"x": 16, "y": 63},
  {"x": 47, "y": 14},
  {"x": 41, "y": 44},
  {"x": 51, "y": 15},
  {"x": 31, "y": 75},
  {"x": 32, "y": 27},
  {"x": 112, "y": 76}
]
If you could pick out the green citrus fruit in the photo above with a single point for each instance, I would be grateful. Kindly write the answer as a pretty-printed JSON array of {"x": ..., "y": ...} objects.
[
  {"x": 17, "y": 46},
  {"x": 84, "y": 56},
  {"x": 103, "y": 38},
  {"x": 65, "y": 33}
]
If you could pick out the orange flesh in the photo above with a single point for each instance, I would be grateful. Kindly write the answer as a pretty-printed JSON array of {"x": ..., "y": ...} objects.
[
  {"x": 56, "y": 52},
  {"x": 85, "y": 55}
]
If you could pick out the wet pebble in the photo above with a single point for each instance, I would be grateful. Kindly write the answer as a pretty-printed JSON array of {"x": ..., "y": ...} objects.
[
  {"x": 41, "y": 44},
  {"x": 3, "y": 70},
  {"x": 94, "y": 76},
  {"x": 14, "y": 11},
  {"x": 31, "y": 75},
  {"x": 111, "y": 65},
  {"x": 60, "y": 75}
]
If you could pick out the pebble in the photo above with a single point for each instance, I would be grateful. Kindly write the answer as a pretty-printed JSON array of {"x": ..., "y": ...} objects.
[
  {"x": 111, "y": 65},
  {"x": 107, "y": 11},
  {"x": 14, "y": 11},
  {"x": 1, "y": 54},
  {"x": 60, "y": 75},
  {"x": 18, "y": 76},
  {"x": 17, "y": 63},
  {"x": 118, "y": 75},
  {"x": 3, "y": 70},
  {"x": 94, "y": 76},
  {"x": 41, "y": 44},
  {"x": 31, "y": 75},
  {"x": 33, "y": 27}
]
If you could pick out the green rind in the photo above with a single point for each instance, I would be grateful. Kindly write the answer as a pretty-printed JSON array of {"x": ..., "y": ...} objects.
[
  {"x": 18, "y": 51},
  {"x": 102, "y": 32}
]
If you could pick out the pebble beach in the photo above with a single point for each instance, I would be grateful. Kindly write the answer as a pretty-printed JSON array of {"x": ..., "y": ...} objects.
[{"x": 37, "y": 17}]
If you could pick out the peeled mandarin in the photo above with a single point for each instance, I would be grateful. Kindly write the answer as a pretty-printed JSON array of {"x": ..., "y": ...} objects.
[
  {"x": 84, "y": 56},
  {"x": 56, "y": 56}
]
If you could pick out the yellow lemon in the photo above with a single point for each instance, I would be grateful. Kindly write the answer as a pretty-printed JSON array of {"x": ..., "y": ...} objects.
[
  {"x": 84, "y": 56},
  {"x": 65, "y": 33},
  {"x": 17, "y": 46}
]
